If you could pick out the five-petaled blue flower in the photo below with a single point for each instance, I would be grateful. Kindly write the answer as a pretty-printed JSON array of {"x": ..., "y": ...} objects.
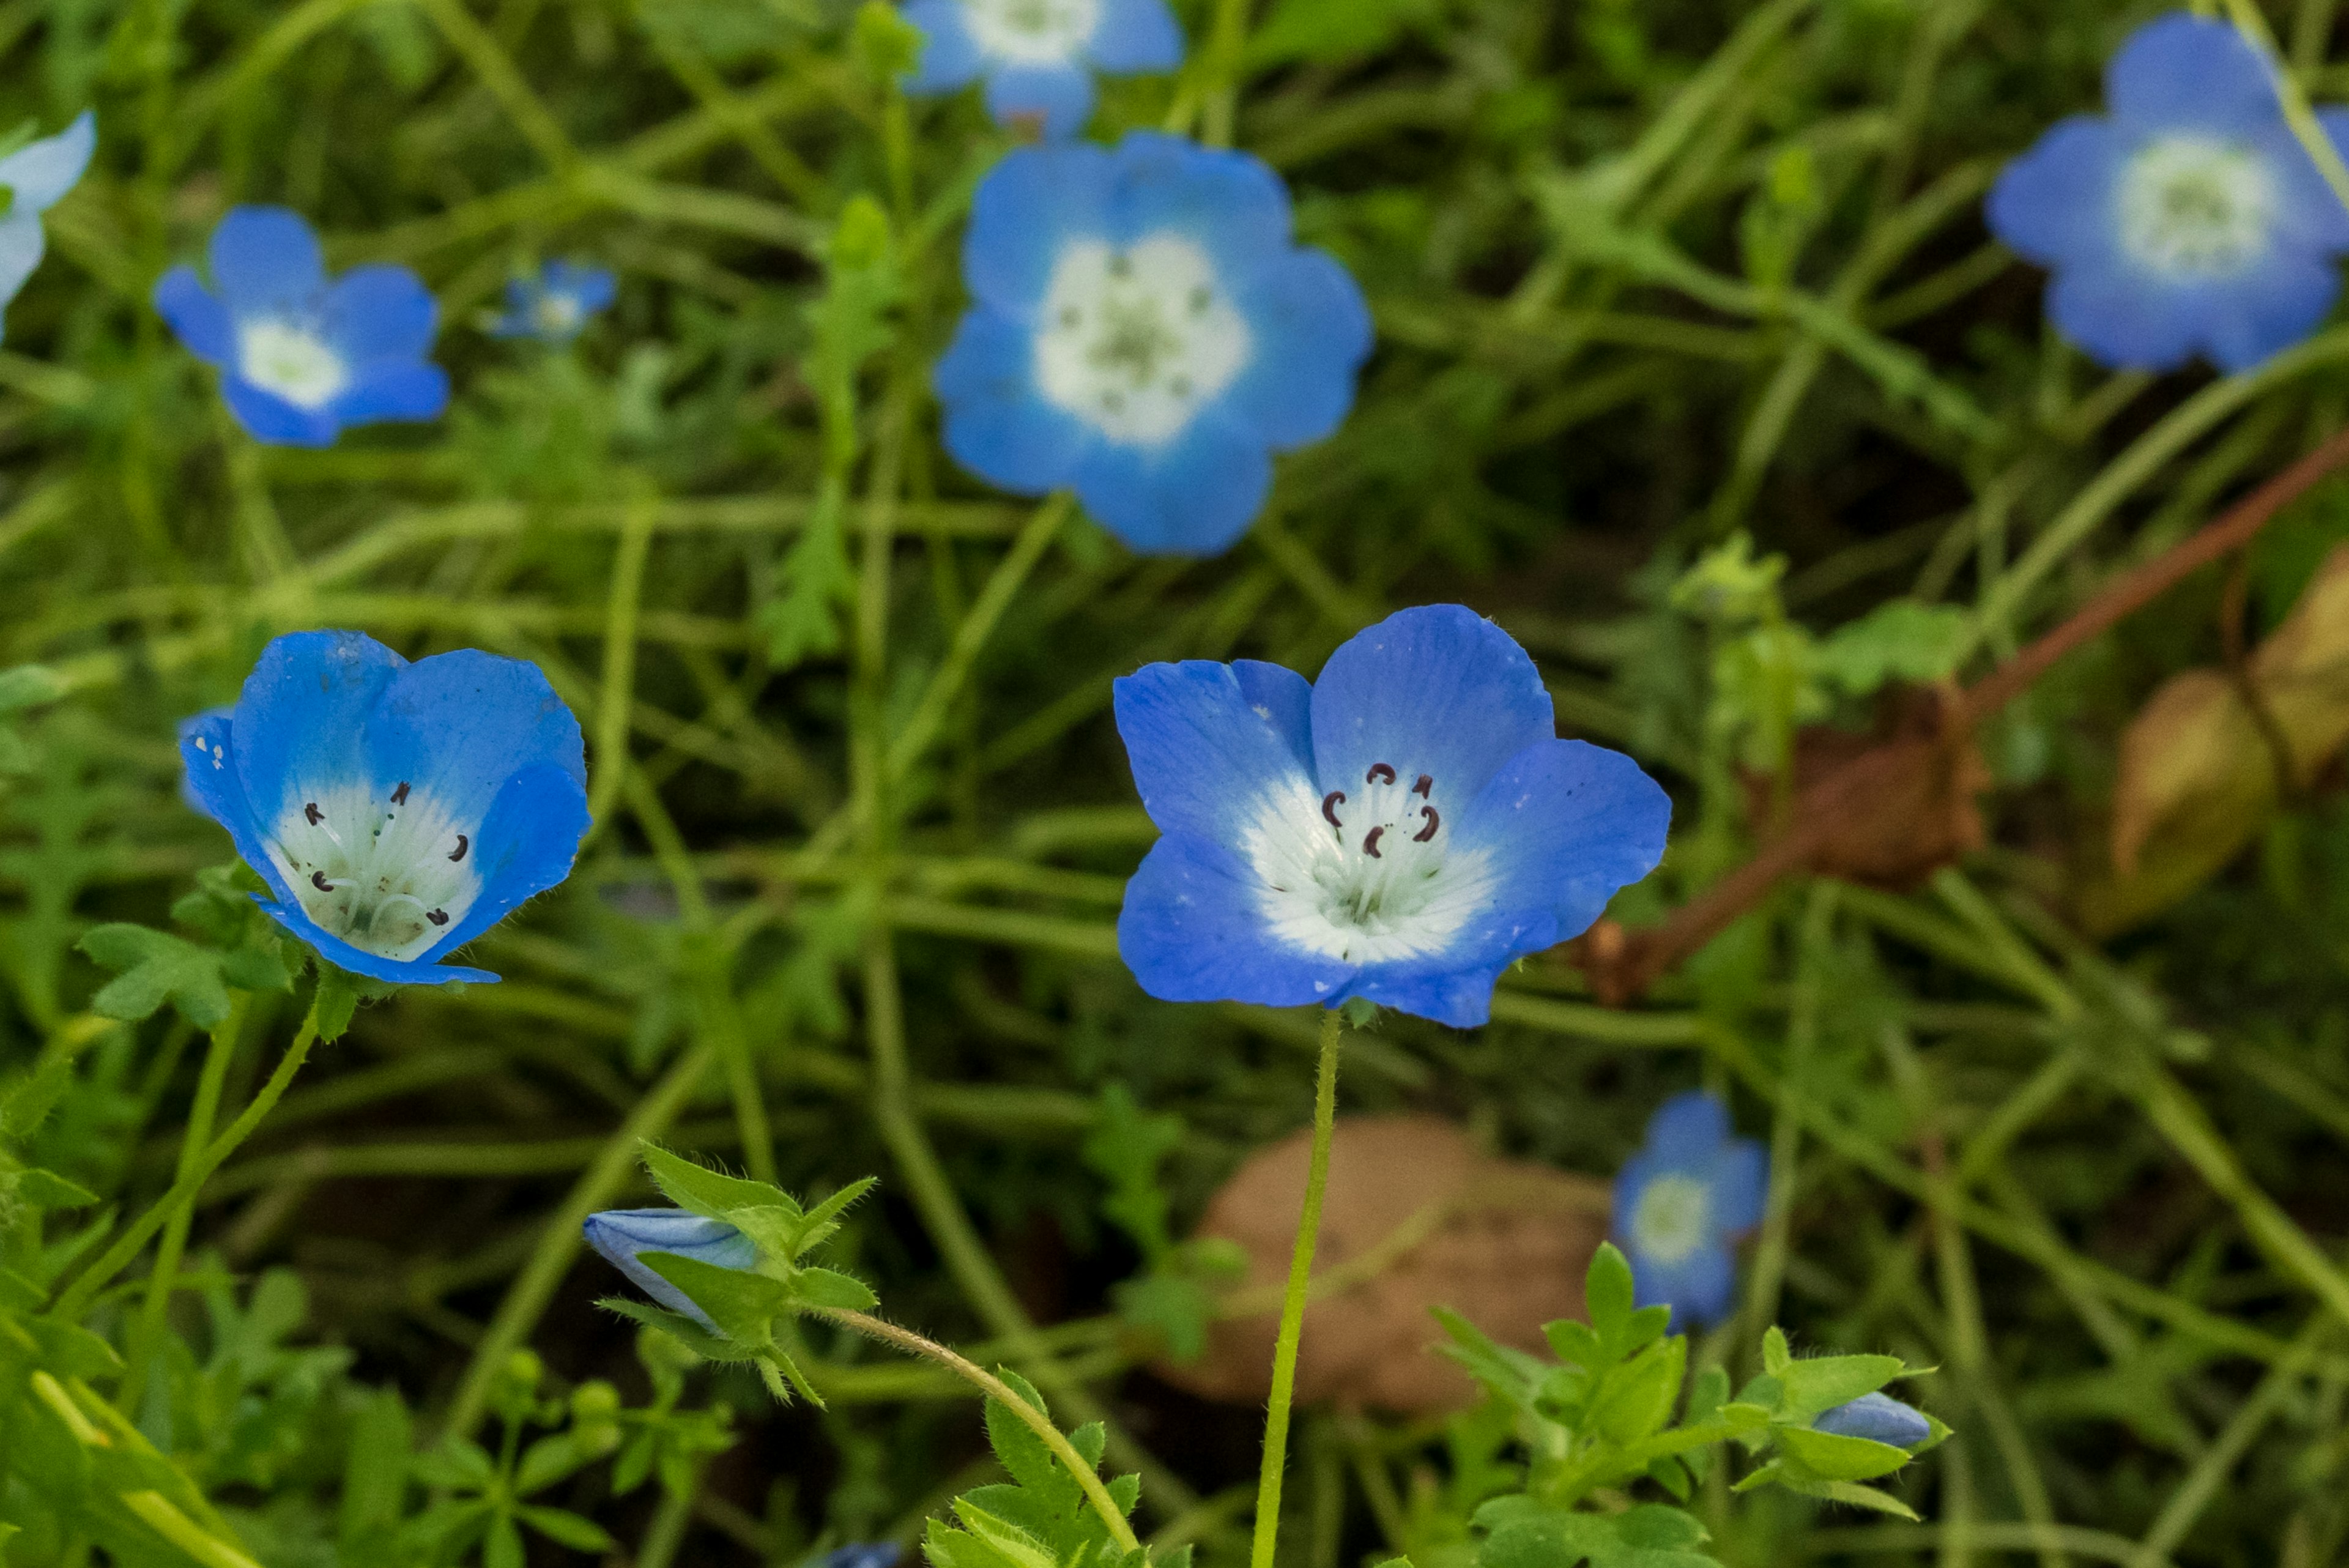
[
  {"x": 36, "y": 177},
  {"x": 1683, "y": 1199},
  {"x": 2190, "y": 221},
  {"x": 553, "y": 305},
  {"x": 1400, "y": 830},
  {"x": 1879, "y": 1418},
  {"x": 301, "y": 357},
  {"x": 397, "y": 810},
  {"x": 1038, "y": 57},
  {"x": 619, "y": 1234},
  {"x": 1146, "y": 331}
]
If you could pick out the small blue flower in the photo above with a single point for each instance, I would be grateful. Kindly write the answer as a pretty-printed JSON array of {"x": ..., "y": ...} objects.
[
  {"x": 301, "y": 357},
  {"x": 1146, "y": 331},
  {"x": 36, "y": 177},
  {"x": 554, "y": 305},
  {"x": 619, "y": 1234},
  {"x": 1683, "y": 1199},
  {"x": 1879, "y": 1417},
  {"x": 1402, "y": 829},
  {"x": 2188, "y": 221},
  {"x": 861, "y": 1554},
  {"x": 397, "y": 810},
  {"x": 1038, "y": 57}
]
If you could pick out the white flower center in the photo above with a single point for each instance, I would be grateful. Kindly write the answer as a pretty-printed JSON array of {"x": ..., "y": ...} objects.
[
  {"x": 389, "y": 875},
  {"x": 557, "y": 315},
  {"x": 1365, "y": 875},
  {"x": 1136, "y": 341},
  {"x": 1031, "y": 32},
  {"x": 2195, "y": 208},
  {"x": 1673, "y": 1218},
  {"x": 287, "y": 358}
]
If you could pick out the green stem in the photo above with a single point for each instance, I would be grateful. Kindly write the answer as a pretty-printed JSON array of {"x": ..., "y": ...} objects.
[
  {"x": 620, "y": 618},
  {"x": 1292, "y": 1306},
  {"x": 1226, "y": 39},
  {"x": 182, "y": 1195}
]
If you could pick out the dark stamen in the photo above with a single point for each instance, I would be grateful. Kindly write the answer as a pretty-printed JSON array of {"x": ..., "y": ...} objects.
[
  {"x": 1433, "y": 822},
  {"x": 399, "y": 796},
  {"x": 1370, "y": 843},
  {"x": 461, "y": 842},
  {"x": 318, "y": 880},
  {"x": 1376, "y": 769},
  {"x": 1329, "y": 805},
  {"x": 1425, "y": 785},
  {"x": 437, "y": 917},
  {"x": 310, "y": 810}
]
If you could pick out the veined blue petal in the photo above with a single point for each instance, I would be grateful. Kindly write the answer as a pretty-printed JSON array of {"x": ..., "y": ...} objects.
[
  {"x": 1058, "y": 97},
  {"x": 1438, "y": 689},
  {"x": 265, "y": 260},
  {"x": 2054, "y": 205},
  {"x": 950, "y": 58},
  {"x": 1207, "y": 741},
  {"x": 1193, "y": 929},
  {"x": 211, "y": 782},
  {"x": 1193, "y": 496},
  {"x": 392, "y": 389},
  {"x": 301, "y": 715},
  {"x": 290, "y": 914},
  {"x": 460, "y": 726},
  {"x": 21, "y": 244},
  {"x": 618, "y": 1235},
  {"x": 1688, "y": 1130},
  {"x": 1879, "y": 1418},
  {"x": 272, "y": 420},
  {"x": 2182, "y": 72},
  {"x": 1461, "y": 998},
  {"x": 1135, "y": 36},
  {"x": 1312, "y": 331},
  {"x": 39, "y": 173},
  {"x": 1024, "y": 212},
  {"x": 1230, "y": 204},
  {"x": 378, "y": 312},
  {"x": 998, "y": 425},
  {"x": 195, "y": 316},
  {"x": 528, "y": 843}
]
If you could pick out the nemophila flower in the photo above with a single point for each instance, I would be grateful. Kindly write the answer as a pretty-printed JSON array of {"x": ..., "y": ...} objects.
[
  {"x": 1402, "y": 829},
  {"x": 2189, "y": 220},
  {"x": 619, "y": 1234},
  {"x": 37, "y": 176},
  {"x": 1038, "y": 57},
  {"x": 396, "y": 810},
  {"x": 1879, "y": 1417},
  {"x": 1145, "y": 330},
  {"x": 301, "y": 357},
  {"x": 1681, "y": 1202},
  {"x": 554, "y": 304},
  {"x": 863, "y": 1554}
]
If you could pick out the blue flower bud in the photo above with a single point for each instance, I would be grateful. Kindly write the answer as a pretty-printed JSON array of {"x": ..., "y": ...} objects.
[
  {"x": 1879, "y": 1417},
  {"x": 863, "y": 1554},
  {"x": 619, "y": 1234}
]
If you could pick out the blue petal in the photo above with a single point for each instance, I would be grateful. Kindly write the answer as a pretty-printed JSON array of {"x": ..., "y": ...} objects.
[
  {"x": 40, "y": 173},
  {"x": 1193, "y": 929},
  {"x": 195, "y": 316},
  {"x": 864, "y": 1554},
  {"x": 393, "y": 389},
  {"x": 2313, "y": 214},
  {"x": 21, "y": 244},
  {"x": 1231, "y": 205},
  {"x": 1563, "y": 826},
  {"x": 1135, "y": 36},
  {"x": 2122, "y": 319},
  {"x": 1741, "y": 1185},
  {"x": 1441, "y": 991},
  {"x": 1698, "y": 1287},
  {"x": 617, "y": 1235},
  {"x": 1208, "y": 741},
  {"x": 272, "y": 420},
  {"x": 2179, "y": 72},
  {"x": 211, "y": 782},
  {"x": 379, "y": 313},
  {"x": 460, "y": 726},
  {"x": 950, "y": 58},
  {"x": 1312, "y": 332},
  {"x": 1058, "y": 98},
  {"x": 1688, "y": 1130},
  {"x": 1879, "y": 1417},
  {"x": 1024, "y": 212},
  {"x": 290, "y": 914},
  {"x": 1438, "y": 689},
  {"x": 2274, "y": 306},
  {"x": 300, "y": 719},
  {"x": 1193, "y": 496},
  {"x": 997, "y": 424},
  {"x": 265, "y": 260},
  {"x": 2054, "y": 205},
  {"x": 526, "y": 845},
  {"x": 591, "y": 288}
]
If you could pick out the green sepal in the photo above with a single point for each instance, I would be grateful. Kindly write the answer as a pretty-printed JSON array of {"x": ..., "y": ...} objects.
[
  {"x": 1811, "y": 1387},
  {"x": 709, "y": 1193},
  {"x": 830, "y": 1288},
  {"x": 1831, "y": 1456},
  {"x": 742, "y": 1304}
]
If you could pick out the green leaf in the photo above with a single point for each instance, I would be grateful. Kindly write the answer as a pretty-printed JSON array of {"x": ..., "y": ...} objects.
[
  {"x": 375, "y": 1470},
  {"x": 337, "y": 1001},
  {"x": 69, "y": 1350},
  {"x": 1331, "y": 29},
  {"x": 743, "y": 1306},
  {"x": 1830, "y": 1456},
  {"x": 1174, "y": 1307},
  {"x": 830, "y": 1288},
  {"x": 1528, "y": 1534},
  {"x": 821, "y": 1219},
  {"x": 1606, "y": 1296},
  {"x": 156, "y": 968},
  {"x": 1811, "y": 1386},
  {"x": 28, "y": 686},
  {"x": 1899, "y": 639},
  {"x": 709, "y": 1346},
  {"x": 1775, "y": 1356},
  {"x": 1637, "y": 1399},
  {"x": 709, "y": 1193},
  {"x": 38, "y": 1188},
  {"x": 1126, "y": 1148},
  {"x": 1507, "y": 1371},
  {"x": 503, "y": 1547},
  {"x": 566, "y": 1528}
]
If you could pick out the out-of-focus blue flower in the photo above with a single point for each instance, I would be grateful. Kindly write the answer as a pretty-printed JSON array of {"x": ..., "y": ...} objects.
[
  {"x": 300, "y": 358},
  {"x": 37, "y": 176},
  {"x": 2189, "y": 220},
  {"x": 1400, "y": 830},
  {"x": 555, "y": 304},
  {"x": 863, "y": 1554},
  {"x": 397, "y": 810},
  {"x": 1146, "y": 331},
  {"x": 1879, "y": 1417},
  {"x": 1038, "y": 57},
  {"x": 619, "y": 1234},
  {"x": 1681, "y": 1202}
]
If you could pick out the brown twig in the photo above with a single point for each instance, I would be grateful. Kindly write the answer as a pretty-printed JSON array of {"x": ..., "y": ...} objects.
[{"x": 1892, "y": 787}]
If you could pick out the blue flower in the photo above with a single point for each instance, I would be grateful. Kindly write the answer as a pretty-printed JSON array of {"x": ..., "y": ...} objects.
[
  {"x": 1879, "y": 1417},
  {"x": 861, "y": 1554},
  {"x": 554, "y": 305},
  {"x": 397, "y": 810},
  {"x": 300, "y": 358},
  {"x": 1146, "y": 332},
  {"x": 1683, "y": 1199},
  {"x": 619, "y": 1234},
  {"x": 36, "y": 177},
  {"x": 1400, "y": 830},
  {"x": 2190, "y": 221},
  {"x": 1039, "y": 56}
]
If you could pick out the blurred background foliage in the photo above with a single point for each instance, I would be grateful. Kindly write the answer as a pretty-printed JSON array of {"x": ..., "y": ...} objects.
[{"x": 1648, "y": 274}]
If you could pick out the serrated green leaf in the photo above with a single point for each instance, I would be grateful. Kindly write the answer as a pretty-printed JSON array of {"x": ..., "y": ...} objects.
[
  {"x": 1007, "y": 1540},
  {"x": 708, "y": 1193},
  {"x": 155, "y": 968}
]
